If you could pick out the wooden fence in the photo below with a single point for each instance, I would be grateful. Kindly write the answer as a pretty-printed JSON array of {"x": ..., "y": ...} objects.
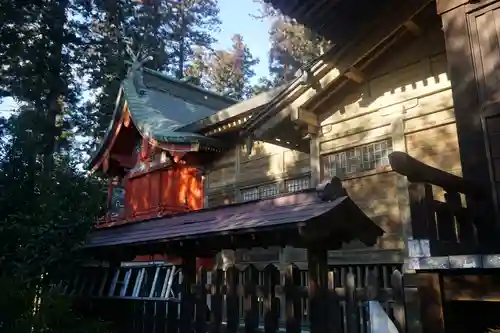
[{"x": 267, "y": 300}]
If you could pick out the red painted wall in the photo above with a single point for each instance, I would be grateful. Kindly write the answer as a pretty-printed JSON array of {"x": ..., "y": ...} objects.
[{"x": 163, "y": 192}]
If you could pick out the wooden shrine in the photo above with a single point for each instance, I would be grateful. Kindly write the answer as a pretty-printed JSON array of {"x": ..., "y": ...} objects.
[{"x": 402, "y": 111}]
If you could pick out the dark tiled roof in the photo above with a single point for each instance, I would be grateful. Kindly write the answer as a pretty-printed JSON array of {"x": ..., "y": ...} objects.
[{"x": 277, "y": 213}]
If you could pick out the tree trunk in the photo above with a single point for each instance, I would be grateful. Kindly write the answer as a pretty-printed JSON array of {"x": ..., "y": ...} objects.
[
  {"x": 54, "y": 101},
  {"x": 182, "y": 45}
]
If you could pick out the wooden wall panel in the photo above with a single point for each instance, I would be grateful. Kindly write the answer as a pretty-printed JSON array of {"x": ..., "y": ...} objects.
[
  {"x": 162, "y": 192},
  {"x": 266, "y": 163},
  {"x": 155, "y": 186},
  {"x": 410, "y": 86},
  {"x": 436, "y": 146}
]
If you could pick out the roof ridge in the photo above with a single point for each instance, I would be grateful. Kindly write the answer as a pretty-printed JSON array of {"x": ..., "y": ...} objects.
[{"x": 183, "y": 83}]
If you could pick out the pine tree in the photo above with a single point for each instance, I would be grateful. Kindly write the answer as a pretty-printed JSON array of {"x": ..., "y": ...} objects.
[
  {"x": 189, "y": 26},
  {"x": 230, "y": 71},
  {"x": 42, "y": 60}
]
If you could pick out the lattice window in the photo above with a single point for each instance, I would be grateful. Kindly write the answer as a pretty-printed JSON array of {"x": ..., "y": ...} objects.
[
  {"x": 297, "y": 184},
  {"x": 260, "y": 192},
  {"x": 361, "y": 158},
  {"x": 269, "y": 190},
  {"x": 249, "y": 194}
]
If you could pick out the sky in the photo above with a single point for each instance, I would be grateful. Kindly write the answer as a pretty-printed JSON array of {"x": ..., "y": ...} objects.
[{"x": 235, "y": 17}]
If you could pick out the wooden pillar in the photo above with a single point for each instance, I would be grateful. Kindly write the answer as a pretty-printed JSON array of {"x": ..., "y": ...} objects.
[
  {"x": 290, "y": 301},
  {"x": 201, "y": 301},
  {"x": 187, "y": 297},
  {"x": 232, "y": 301},
  {"x": 216, "y": 301},
  {"x": 318, "y": 289},
  {"x": 472, "y": 67},
  {"x": 251, "y": 300},
  {"x": 314, "y": 160},
  {"x": 431, "y": 303},
  {"x": 464, "y": 87}
]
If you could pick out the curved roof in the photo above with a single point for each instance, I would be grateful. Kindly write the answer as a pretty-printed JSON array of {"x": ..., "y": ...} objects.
[
  {"x": 159, "y": 106},
  {"x": 158, "y": 115}
]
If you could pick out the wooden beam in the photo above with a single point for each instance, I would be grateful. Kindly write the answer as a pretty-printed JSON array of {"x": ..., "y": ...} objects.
[
  {"x": 355, "y": 75},
  {"x": 376, "y": 43},
  {"x": 419, "y": 172},
  {"x": 304, "y": 117},
  {"x": 124, "y": 160},
  {"x": 472, "y": 288},
  {"x": 413, "y": 28},
  {"x": 443, "y": 6}
]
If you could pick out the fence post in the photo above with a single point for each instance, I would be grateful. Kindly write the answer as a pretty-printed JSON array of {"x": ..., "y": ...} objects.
[
  {"x": 187, "y": 300},
  {"x": 399, "y": 301},
  {"x": 251, "y": 301},
  {"x": 201, "y": 301},
  {"x": 216, "y": 301},
  {"x": 271, "y": 305},
  {"x": 351, "y": 304},
  {"x": 232, "y": 306},
  {"x": 318, "y": 289},
  {"x": 291, "y": 303}
]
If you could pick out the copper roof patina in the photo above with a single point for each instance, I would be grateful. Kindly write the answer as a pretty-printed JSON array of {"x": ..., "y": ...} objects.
[{"x": 160, "y": 106}]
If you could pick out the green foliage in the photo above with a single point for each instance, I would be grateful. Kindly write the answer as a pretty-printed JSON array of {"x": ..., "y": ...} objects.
[
  {"x": 229, "y": 72},
  {"x": 24, "y": 309},
  {"x": 45, "y": 216}
]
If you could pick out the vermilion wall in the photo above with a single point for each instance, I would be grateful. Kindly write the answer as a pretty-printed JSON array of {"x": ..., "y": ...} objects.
[{"x": 163, "y": 192}]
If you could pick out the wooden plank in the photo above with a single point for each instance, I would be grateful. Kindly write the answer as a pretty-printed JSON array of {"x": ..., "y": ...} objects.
[
  {"x": 318, "y": 290},
  {"x": 155, "y": 280},
  {"x": 291, "y": 302},
  {"x": 464, "y": 47},
  {"x": 126, "y": 281},
  {"x": 271, "y": 303},
  {"x": 232, "y": 306},
  {"x": 443, "y": 6},
  {"x": 251, "y": 304},
  {"x": 398, "y": 306},
  {"x": 201, "y": 305},
  {"x": 216, "y": 301},
  {"x": 187, "y": 304},
  {"x": 351, "y": 302},
  {"x": 431, "y": 306},
  {"x": 423, "y": 223},
  {"x": 472, "y": 288}
]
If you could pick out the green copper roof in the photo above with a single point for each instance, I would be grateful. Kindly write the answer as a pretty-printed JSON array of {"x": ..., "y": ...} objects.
[
  {"x": 159, "y": 106},
  {"x": 157, "y": 115}
]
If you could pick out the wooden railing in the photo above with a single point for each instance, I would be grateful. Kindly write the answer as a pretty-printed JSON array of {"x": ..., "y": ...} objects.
[
  {"x": 461, "y": 224},
  {"x": 252, "y": 300}
]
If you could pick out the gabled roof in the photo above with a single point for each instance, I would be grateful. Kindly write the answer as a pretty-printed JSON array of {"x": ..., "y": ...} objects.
[
  {"x": 159, "y": 106},
  {"x": 159, "y": 115}
]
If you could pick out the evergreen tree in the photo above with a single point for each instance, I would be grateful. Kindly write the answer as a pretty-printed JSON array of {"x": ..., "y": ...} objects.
[
  {"x": 292, "y": 44},
  {"x": 190, "y": 25},
  {"x": 230, "y": 71},
  {"x": 42, "y": 60}
]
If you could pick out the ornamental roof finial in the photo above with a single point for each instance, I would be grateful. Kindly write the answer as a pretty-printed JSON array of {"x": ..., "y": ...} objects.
[{"x": 136, "y": 70}]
